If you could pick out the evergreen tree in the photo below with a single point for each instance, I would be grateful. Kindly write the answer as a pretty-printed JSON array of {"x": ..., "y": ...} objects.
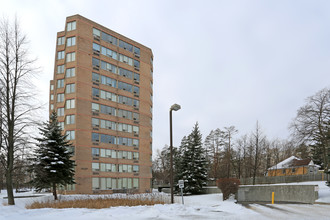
[
  {"x": 178, "y": 163},
  {"x": 52, "y": 165},
  {"x": 193, "y": 164}
]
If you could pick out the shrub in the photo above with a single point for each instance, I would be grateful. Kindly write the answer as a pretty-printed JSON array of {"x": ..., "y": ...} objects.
[
  {"x": 228, "y": 186},
  {"x": 101, "y": 201}
]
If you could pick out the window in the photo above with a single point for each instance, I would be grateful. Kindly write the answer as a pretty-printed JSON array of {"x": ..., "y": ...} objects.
[
  {"x": 60, "y": 83},
  {"x": 71, "y": 41},
  {"x": 95, "y": 152},
  {"x": 108, "y": 124},
  {"x": 109, "y": 38},
  {"x": 108, "y": 81},
  {"x": 124, "y": 127},
  {"x": 52, "y": 106},
  {"x": 61, "y": 125},
  {"x": 70, "y": 135},
  {"x": 108, "y": 139},
  {"x": 51, "y": 87},
  {"x": 108, "y": 110},
  {"x": 70, "y": 72},
  {"x": 136, "y": 116},
  {"x": 103, "y": 152},
  {"x": 135, "y": 155},
  {"x": 137, "y": 50},
  {"x": 95, "y": 137},
  {"x": 107, "y": 52},
  {"x": 60, "y": 69},
  {"x": 96, "y": 77},
  {"x": 108, "y": 95},
  {"x": 283, "y": 171},
  {"x": 60, "y": 40},
  {"x": 95, "y": 107},
  {"x": 96, "y": 62},
  {"x": 125, "y": 45},
  {"x": 135, "y": 142},
  {"x": 137, "y": 77},
  {"x": 60, "y": 97},
  {"x": 109, "y": 183},
  {"x": 70, "y": 103},
  {"x": 95, "y": 183},
  {"x": 60, "y": 55},
  {"x": 95, "y": 166},
  {"x": 70, "y": 57},
  {"x": 60, "y": 112},
  {"x": 51, "y": 97},
  {"x": 125, "y": 59},
  {"x": 96, "y": 92},
  {"x": 135, "y": 183},
  {"x": 136, "y": 90},
  {"x": 71, "y": 26},
  {"x": 70, "y": 119},
  {"x": 135, "y": 168},
  {"x": 70, "y": 88},
  {"x": 96, "y": 47},
  {"x": 136, "y": 103},
  {"x": 293, "y": 170},
  {"x": 96, "y": 32},
  {"x": 108, "y": 67},
  {"x": 125, "y": 73},
  {"x": 125, "y": 86},
  {"x": 135, "y": 129},
  {"x": 137, "y": 64},
  {"x": 95, "y": 122}
]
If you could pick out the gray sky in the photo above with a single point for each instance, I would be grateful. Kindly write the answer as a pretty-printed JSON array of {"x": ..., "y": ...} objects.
[{"x": 225, "y": 62}]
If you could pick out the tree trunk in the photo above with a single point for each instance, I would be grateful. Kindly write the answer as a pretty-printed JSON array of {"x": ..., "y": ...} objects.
[
  {"x": 9, "y": 185},
  {"x": 54, "y": 191}
]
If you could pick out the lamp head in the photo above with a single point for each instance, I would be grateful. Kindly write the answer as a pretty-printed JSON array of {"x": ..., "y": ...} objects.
[{"x": 175, "y": 107}]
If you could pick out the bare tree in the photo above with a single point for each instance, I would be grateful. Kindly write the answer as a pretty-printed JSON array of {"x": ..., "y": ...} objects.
[
  {"x": 244, "y": 165},
  {"x": 312, "y": 124},
  {"x": 16, "y": 71},
  {"x": 214, "y": 143},
  {"x": 228, "y": 135},
  {"x": 161, "y": 166},
  {"x": 258, "y": 145}
]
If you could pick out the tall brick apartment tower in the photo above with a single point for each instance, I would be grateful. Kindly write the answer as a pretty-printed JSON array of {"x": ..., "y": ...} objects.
[{"x": 102, "y": 93}]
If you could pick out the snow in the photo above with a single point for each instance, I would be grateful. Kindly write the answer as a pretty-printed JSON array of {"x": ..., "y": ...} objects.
[{"x": 208, "y": 206}]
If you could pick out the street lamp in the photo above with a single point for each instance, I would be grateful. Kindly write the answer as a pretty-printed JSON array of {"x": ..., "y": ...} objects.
[{"x": 174, "y": 107}]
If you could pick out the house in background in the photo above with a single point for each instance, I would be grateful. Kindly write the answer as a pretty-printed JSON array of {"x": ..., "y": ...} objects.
[{"x": 293, "y": 166}]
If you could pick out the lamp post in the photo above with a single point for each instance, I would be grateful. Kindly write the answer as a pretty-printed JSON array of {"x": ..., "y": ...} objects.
[{"x": 174, "y": 107}]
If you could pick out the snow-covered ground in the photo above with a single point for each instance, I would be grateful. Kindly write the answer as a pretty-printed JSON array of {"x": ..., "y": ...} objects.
[{"x": 196, "y": 207}]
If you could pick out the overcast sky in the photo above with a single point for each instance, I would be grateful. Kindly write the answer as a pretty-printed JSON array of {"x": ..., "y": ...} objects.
[{"x": 225, "y": 62}]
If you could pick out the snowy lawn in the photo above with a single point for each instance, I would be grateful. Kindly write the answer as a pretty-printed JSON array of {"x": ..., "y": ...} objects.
[{"x": 196, "y": 207}]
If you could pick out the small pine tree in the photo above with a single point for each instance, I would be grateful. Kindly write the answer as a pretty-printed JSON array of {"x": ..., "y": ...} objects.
[
  {"x": 178, "y": 163},
  {"x": 193, "y": 164},
  {"x": 52, "y": 165}
]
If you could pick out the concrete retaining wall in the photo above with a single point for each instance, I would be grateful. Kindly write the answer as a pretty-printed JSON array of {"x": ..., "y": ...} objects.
[
  {"x": 283, "y": 194},
  {"x": 285, "y": 179}
]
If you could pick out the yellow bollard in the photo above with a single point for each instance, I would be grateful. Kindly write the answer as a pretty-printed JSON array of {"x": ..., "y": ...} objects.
[{"x": 273, "y": 197}]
